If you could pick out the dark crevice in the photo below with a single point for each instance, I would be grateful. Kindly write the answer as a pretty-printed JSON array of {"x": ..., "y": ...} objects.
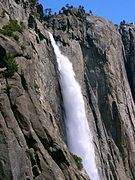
[
  {"x": 2, "y": 53},
  {"x": 31, "y": 22},
  {"x": 106, "y": 173},
  {"x": 62, "y": 125},
  {"x": 115, "y": 127},
  {"x": 35, "y": 162},
  {"x": 128, "y": 54},
  {"x": 38, "y": 161},
  {"x": 58, "y": 39},
  {"x": 40, "y": 35},
  {"x": 17, "y": 1},
  {"x": 111, "y": 147},
  {"x": 22, "y": 55},
  {"x": 47, "y": 42},
  {"x": 90, "y": 41},
  {"x": 59, "y": 157},
  {"x": 35, "y": 171},
  {"x": 37, "y": 39},
  {"x": 117, "y": 130},
  {"x": 113, "y": 170},
  {"x": 130, "y": 78},
  {"x": 22, "y": 121},
  {"x": 31, "y": 142},
  {"x": 33, "y": 47},
  {"x": 51, "y": 118},
  {"x": 23, "y": 82}
]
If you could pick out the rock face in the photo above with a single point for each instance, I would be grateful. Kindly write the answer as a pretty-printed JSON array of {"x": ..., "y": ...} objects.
[{"x": 32, "y": 130}]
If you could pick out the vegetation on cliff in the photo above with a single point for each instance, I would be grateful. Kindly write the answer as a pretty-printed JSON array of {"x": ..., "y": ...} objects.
[
  {"x": 78, "y": 161},
  {"x": 7, "y": 61},
  {"x": 11, "y": 27}
]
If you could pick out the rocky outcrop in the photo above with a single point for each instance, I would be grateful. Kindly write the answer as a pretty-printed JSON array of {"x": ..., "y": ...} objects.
[
  {"x": 95, "y": 47},
  {"x": 32, "y": 130},
  {"x": 128, "y": 38},
  {"x": 32, "y": 135}
]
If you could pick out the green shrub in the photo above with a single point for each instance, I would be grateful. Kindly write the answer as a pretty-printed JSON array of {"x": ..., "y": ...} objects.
[
  {"x": 11, "y": 27},
  {"x": 9, "y": 62},
  {"x": 78, "y": 161}
]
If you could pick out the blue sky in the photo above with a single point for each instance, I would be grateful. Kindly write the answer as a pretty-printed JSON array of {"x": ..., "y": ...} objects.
[{"x": 114, "y": 10}]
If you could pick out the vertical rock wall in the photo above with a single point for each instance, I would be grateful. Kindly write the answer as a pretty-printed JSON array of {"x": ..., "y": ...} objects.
[
  {"x": 100, "y": 65},
  {"x": 32, "y": 130}
]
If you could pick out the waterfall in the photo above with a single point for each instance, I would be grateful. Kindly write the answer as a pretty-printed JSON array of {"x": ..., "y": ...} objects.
[{"x": 79, "y": 138}]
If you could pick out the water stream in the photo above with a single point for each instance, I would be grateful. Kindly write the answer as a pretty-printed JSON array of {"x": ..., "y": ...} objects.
[{"x": 79, "y": 137}]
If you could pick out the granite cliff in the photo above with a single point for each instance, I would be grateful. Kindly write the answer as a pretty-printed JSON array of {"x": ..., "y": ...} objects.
[{"x": 32, "y": 129}]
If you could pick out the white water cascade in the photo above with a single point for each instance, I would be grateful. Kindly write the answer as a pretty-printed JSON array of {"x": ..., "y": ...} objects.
[{"x": 79, "y": 137}]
